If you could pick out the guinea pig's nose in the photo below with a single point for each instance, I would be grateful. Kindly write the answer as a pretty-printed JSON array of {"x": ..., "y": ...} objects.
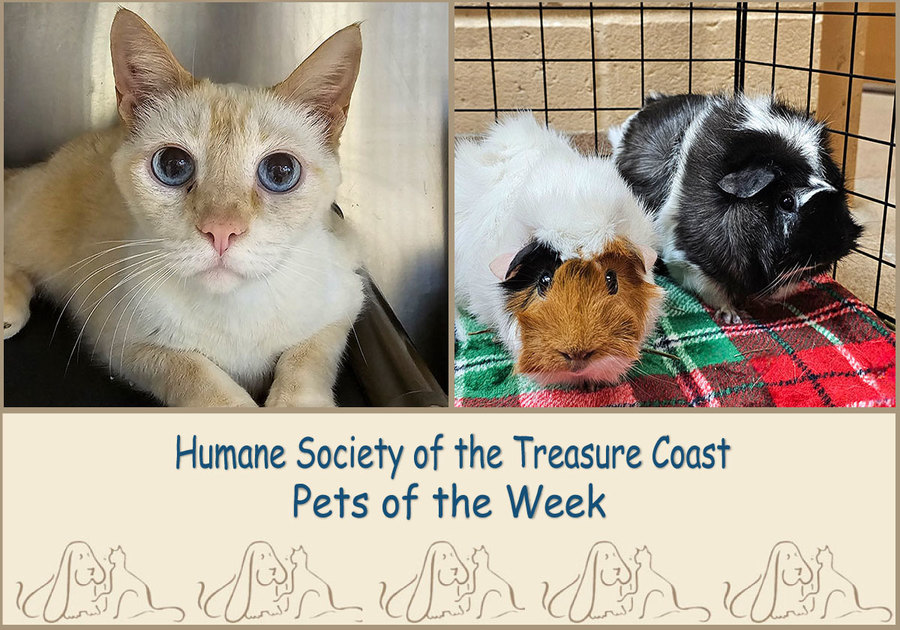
[{"x": 576, "y": 358}]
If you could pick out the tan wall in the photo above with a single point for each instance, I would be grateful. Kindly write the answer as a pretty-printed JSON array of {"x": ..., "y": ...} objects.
[{"x": 617, "y": 34}]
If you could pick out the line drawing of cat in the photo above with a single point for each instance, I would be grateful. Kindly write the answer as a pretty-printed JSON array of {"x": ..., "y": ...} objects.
[
  {"x": 128, "y": 596},
  {"x": 834, "y": 596},
  {"x": 308, "y": 596},
  {"x": 654, "y": 596},
  {"x": 487, "y": 590},
  {"x": 83, "y": 587},
  {"x": 195, "y": 242}
]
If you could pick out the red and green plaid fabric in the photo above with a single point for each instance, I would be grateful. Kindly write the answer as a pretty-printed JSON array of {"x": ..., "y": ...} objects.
[{"x": 820, "y": 348}]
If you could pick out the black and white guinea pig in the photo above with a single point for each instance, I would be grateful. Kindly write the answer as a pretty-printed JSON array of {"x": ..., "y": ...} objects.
[{"x": 744, "y": 192}]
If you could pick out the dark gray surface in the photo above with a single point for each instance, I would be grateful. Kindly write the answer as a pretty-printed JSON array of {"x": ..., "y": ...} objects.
[{"x": 38, "y": 373}]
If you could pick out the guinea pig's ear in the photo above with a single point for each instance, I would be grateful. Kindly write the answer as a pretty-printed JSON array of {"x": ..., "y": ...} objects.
[
  {"x": 500, "y": 265},
  {"x": 747, "y": 181},
  {"x": 505, "y": 266},
  {"x": 648, "y": 255}
]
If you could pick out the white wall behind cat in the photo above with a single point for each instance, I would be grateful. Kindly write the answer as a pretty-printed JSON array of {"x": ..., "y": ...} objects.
[{"x": 58, "y": 83}]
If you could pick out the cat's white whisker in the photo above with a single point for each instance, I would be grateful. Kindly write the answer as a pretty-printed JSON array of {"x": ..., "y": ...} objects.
[
  {"x": 153, "y": 289},
  {"x": 84, "y": 303},
  {"x": 358, "y": 345},
  {"x": 74, "y": 291},
  {"x": 135, "y": 292},
  {"x": 130, "y": 241},
  {"x": 94, "y": 310},
  {"x": 87, "y": 259},
  {"x": 139, "y": 272}
]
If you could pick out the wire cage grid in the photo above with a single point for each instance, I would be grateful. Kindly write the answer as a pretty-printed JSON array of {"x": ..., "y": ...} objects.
[{"x": 752, "y": 31}]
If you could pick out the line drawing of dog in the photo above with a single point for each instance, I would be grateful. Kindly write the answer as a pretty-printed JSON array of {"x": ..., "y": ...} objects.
[
  {"x": 833, "y": 596},
  {"x": 83, "y": 587},
  {"x": 73, "y": 589},
  {"x": 254, "y": 590},
  {"x": 436, "y": 590},
  {"x": 779, "y": 592},
  {"x": 602, "y": 588},
  {"x": 308, "y": 596}
]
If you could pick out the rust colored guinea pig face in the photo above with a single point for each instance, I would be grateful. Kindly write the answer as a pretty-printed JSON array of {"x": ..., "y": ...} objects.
[{"x": 580, "y": 320}]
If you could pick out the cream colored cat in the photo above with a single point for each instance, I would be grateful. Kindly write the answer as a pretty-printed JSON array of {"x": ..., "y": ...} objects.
[{"x": 195, "y": 243}]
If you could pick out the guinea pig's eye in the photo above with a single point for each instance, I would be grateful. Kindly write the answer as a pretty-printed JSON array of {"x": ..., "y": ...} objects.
[
  {"x": 278, "y": 172},
  {"x": 544, "y": 282},
  {"x": 786, "y": 202},
  {"x": 172, "y": 166},
  {"x": 612, "y": 282}
]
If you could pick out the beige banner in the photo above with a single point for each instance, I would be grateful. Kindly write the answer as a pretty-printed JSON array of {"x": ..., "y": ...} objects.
[{"x": 100, "y": 527}]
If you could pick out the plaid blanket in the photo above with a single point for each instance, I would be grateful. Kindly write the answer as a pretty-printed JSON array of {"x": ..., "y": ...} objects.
[{"x": 820, "y": 348}]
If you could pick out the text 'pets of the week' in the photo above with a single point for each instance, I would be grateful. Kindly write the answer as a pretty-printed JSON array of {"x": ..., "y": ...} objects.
[{"x": 465, "y": 453}]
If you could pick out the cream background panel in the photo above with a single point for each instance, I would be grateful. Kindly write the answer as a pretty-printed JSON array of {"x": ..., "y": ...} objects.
[{"x": 109, "y": 479}]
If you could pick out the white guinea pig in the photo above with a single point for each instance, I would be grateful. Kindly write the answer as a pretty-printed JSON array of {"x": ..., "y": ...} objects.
[{"x": 553, "y": 252}]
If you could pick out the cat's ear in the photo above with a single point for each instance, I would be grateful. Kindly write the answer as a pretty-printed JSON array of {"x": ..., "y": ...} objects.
[
  {"x": 326, "y": 78},
  {"x": 143, "y": 66}
]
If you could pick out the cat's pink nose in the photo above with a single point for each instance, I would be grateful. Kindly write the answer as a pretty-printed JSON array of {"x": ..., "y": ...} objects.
[{"x": 221, "y": 234}]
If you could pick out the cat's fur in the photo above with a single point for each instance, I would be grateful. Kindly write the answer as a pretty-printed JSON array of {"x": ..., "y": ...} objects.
[{"x": 93, "y": 228}]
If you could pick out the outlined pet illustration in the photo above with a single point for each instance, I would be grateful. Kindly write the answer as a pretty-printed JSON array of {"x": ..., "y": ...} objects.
[
  {"x": 489, "y": 596},
  {"x": 602, "y": 588},
  {"x": 779, "y": 592},
  {"x": 69, "y": 593},
  {"x": 834, "y": 596},
  {"x": 128, "y": 596},
  {"x": 449, "y": 587},
  {"x": 251, "y": 593},
  {"x": 436, "y": 591},
  {"x": 83, "y": 588},
  {"x": 308, "y": 596},
  {"x": 654, "y": 597}
]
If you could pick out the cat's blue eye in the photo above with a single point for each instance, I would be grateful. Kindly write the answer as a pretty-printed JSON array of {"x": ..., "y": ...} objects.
[
  {"x": 172, "y": 166},
  {"x": 279, "y": 172}
]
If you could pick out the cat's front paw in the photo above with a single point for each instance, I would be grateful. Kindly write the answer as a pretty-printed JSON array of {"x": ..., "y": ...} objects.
[
  {"x": 14, "y": 318},
  {"x": 227, "y": 397},
  {"x": 279, "y": 397},
  {"x": 17, "y": 292}
]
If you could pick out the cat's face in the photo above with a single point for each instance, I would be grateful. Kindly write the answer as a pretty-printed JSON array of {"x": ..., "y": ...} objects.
[
  {"x": 232, "y": 140},
  {"x": 642, "y": 555},
  {"x": 479, "y": 556},
  {"x": 824, "y": 556},
  {"x": 226, "y": 180},
  {"x": 299, "y": 555},
  {"x": 116, "y": 556}
]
